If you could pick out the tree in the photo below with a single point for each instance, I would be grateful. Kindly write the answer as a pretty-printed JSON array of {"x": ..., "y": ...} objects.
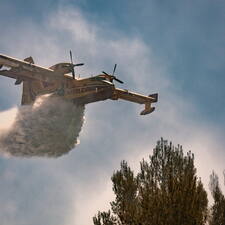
[
  {"x": 104, "y": 218},
  {"x": 166, "y": 191},
  {"x": 218, "y": 208}
]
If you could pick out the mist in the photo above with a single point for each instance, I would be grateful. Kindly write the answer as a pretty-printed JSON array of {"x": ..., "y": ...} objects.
[{"x": 49, "y": 128}]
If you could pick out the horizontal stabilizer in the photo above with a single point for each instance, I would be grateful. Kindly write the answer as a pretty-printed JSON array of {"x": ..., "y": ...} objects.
[{"x": 29, "y": 60}]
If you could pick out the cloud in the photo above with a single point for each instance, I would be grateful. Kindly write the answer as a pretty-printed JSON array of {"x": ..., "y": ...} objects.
[{"x": 78, "y": 184}]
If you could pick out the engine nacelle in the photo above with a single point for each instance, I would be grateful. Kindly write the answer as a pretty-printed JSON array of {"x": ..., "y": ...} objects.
[{"x": 61, "y": 68}]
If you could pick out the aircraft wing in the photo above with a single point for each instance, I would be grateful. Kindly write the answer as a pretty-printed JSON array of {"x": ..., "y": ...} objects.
[
  {"x": 137, "y": 98},
  {"x": 25, "y": 70}
]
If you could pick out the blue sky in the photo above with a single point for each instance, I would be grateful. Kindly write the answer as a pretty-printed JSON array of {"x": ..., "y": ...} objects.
[{"x": 174, "y": 48}]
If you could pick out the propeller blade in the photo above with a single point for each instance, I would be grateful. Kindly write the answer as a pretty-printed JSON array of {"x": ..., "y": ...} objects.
[
  {"x": 72, "y": 65},
  {"x": 120, "y": 81},
  {"x": 73, "y": 72},
  {"x": 113, "y": 77},
  {"x": 71, "y": 57},
  {"x": 114, "y": 69},
  {"x": 78, "y": 64},
  {"x": 105, "y": 73}
]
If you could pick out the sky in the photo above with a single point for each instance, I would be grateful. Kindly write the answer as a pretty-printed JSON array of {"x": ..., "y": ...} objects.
[{"x": 174, "y": 48}]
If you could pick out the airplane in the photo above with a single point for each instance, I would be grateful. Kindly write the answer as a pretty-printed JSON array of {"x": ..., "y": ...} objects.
[{"x": 56, "y": 80}]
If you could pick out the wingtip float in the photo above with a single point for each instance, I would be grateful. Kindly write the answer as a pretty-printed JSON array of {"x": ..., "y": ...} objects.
[{"x": 56, "y": 80}]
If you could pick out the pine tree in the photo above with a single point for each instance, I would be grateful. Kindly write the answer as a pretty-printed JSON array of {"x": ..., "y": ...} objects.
[
  {"x": 166, "y": 191},
  {"x": 218, "y": 208},
  {"x": 104, "y": 218}
]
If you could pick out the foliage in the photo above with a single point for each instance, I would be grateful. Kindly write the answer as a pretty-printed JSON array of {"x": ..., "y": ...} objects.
[
  {"x": 104, "y": 218},
  {"x": 218, "y": 208},
  {"x": 166, "y": 191}
]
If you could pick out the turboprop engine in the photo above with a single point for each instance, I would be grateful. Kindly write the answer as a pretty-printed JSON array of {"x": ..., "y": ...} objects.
[{"x": 63, "y": 68}]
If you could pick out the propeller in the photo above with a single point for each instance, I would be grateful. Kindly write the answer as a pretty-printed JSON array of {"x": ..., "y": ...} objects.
[
  {"x": 112, "y": 76},
  {"x": 73, "y": 65}
]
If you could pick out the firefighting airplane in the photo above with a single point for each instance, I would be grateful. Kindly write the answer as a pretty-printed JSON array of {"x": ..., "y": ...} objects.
[{"x": 56, "y": 80}]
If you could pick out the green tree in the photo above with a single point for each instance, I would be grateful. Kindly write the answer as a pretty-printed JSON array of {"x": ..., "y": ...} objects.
[
  {"x": 218, "y": 209},
  {"x": 166, "y": 191}
]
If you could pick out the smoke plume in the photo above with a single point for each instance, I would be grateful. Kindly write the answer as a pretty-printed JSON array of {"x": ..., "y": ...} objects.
[{"x": 49, "y": 128}]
